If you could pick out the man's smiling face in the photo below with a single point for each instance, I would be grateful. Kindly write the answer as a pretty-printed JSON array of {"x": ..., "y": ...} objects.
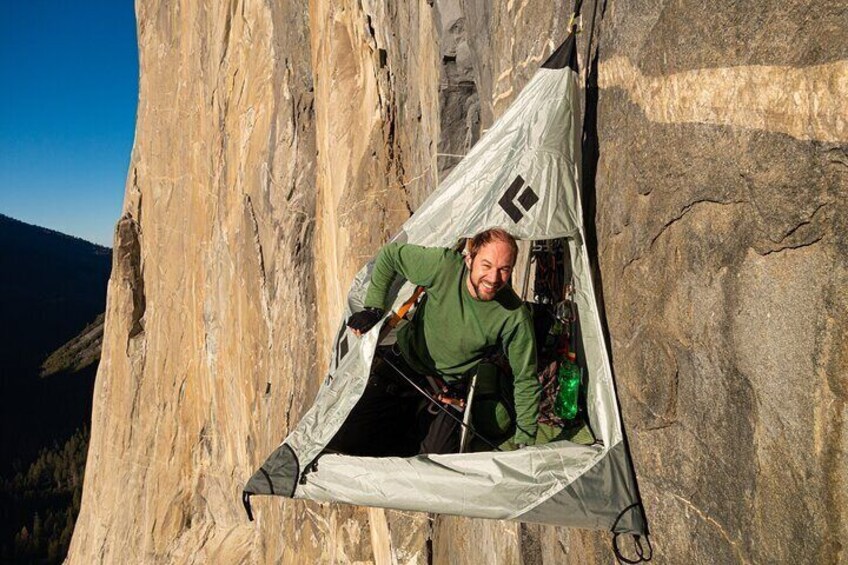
[{"x": 489, "y": 270}]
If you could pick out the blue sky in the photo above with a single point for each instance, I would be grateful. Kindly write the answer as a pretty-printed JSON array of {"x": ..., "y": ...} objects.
[{"x": 68, "y": 93}]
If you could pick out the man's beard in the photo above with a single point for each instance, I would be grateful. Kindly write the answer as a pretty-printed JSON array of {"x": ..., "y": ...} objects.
[{"x": 478, "y": 295}]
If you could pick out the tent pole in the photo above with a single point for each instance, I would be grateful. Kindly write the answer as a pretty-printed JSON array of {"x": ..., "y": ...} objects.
[{"x": 466, "y": 417}]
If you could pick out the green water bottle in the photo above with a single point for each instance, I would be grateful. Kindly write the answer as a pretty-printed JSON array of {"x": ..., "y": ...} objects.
[{"x": 569, "y": 386}]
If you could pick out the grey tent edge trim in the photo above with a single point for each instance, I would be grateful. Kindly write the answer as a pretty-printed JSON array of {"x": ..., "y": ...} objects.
[
  {"x": 556, "y": 489},
  {"x": 612, "y": 474},
  {"x": 564, "y": 56},
  {"x": 278, "y": 475},
  {"x": 447, "y": 472},
  {"x": 616, "y": 509}
]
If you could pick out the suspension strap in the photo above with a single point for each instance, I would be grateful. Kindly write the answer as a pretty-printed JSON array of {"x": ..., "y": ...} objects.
[
  {"x": 575, "y": 23},
  {"x": 444, "y": 394},
  {"x": 396, "y": 317}
]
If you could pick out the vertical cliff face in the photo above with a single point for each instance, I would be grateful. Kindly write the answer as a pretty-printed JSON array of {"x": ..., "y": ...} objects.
[
  {"x": 278, "y": 145},
  {"x": 722, "y": 192}
]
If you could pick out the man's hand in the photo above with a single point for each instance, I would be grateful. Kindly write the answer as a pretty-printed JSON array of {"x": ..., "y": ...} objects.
[
  {"x": 364, "y": 320},
  {"x": 522, "y": 439}
]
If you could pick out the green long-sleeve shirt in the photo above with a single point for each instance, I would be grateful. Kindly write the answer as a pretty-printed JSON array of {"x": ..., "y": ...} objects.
[{"x": 452, "y": 331}]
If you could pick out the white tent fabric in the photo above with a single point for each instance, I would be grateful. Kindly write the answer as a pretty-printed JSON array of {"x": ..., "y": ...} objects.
[{"x": 523, "y": 176}]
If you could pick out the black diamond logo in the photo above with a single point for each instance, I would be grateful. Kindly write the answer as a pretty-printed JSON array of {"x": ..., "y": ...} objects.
[{"x": 527, "y": 199}]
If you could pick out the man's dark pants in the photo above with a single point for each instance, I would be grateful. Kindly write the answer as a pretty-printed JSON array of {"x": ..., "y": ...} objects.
[{"x": 392, "y": 418}]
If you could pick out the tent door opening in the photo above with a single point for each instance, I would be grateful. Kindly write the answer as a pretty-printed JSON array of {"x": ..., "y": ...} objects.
[
  {"x": 559, "y": 342},
  {"x": 393, "y": 417}
]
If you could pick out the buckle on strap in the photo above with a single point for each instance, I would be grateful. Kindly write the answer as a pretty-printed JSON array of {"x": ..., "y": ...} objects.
[{"x": 445, "y": 393}]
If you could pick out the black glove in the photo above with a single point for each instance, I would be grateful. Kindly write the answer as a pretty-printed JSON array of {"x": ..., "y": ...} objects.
[{"x": 364, "y": 320}]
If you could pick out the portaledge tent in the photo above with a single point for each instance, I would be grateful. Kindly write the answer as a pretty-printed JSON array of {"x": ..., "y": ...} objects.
[{"x": 523, "y": 176}]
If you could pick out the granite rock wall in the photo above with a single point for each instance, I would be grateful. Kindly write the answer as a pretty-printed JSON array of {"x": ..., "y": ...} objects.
[{"x": 278, "y": 145}]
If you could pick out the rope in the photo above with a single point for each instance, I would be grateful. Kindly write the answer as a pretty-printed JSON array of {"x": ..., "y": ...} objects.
[{"x": 578, "y": 5}]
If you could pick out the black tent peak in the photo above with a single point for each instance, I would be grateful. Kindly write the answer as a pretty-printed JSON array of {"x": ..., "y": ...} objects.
[{"x": 564, "y": 56}]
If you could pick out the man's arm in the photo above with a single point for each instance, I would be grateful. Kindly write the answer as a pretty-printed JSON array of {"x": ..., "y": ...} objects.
[
  {"x": 520, "y": 347},
  {"x": 419, "y": 265}
]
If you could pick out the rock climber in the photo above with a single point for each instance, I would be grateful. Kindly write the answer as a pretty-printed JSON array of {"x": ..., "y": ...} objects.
[{"x": 469, "y": 311}]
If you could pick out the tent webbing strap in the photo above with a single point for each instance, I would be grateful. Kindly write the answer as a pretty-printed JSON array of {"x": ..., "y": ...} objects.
[
  {"x": 641, "y": 556},
  {"x": 398, "y": 316},
  {"x": 578, "y": 5},
  {"x": 245, "y": 499}
]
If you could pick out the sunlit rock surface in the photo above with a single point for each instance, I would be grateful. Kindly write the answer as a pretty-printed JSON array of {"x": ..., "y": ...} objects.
[{"x": 280, "y": 144}]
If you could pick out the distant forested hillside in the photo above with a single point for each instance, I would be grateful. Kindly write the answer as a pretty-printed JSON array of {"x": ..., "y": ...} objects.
[
  {"x": 51, "y": 287},
  {"x": 52, "y": 297}
]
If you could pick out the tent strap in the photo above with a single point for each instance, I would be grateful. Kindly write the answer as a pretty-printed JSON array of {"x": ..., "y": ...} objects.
[
  {"x": 245, "y": 499},
  {"x": 640, "y": 549},
  {"x": 641, "y": 555},
  {"x": 396, "y": 317},
  {"x": 578, "y": 4}
]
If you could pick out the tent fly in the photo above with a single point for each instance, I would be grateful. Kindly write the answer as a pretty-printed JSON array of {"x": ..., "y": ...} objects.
[{"x": 523, "y": 175}]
